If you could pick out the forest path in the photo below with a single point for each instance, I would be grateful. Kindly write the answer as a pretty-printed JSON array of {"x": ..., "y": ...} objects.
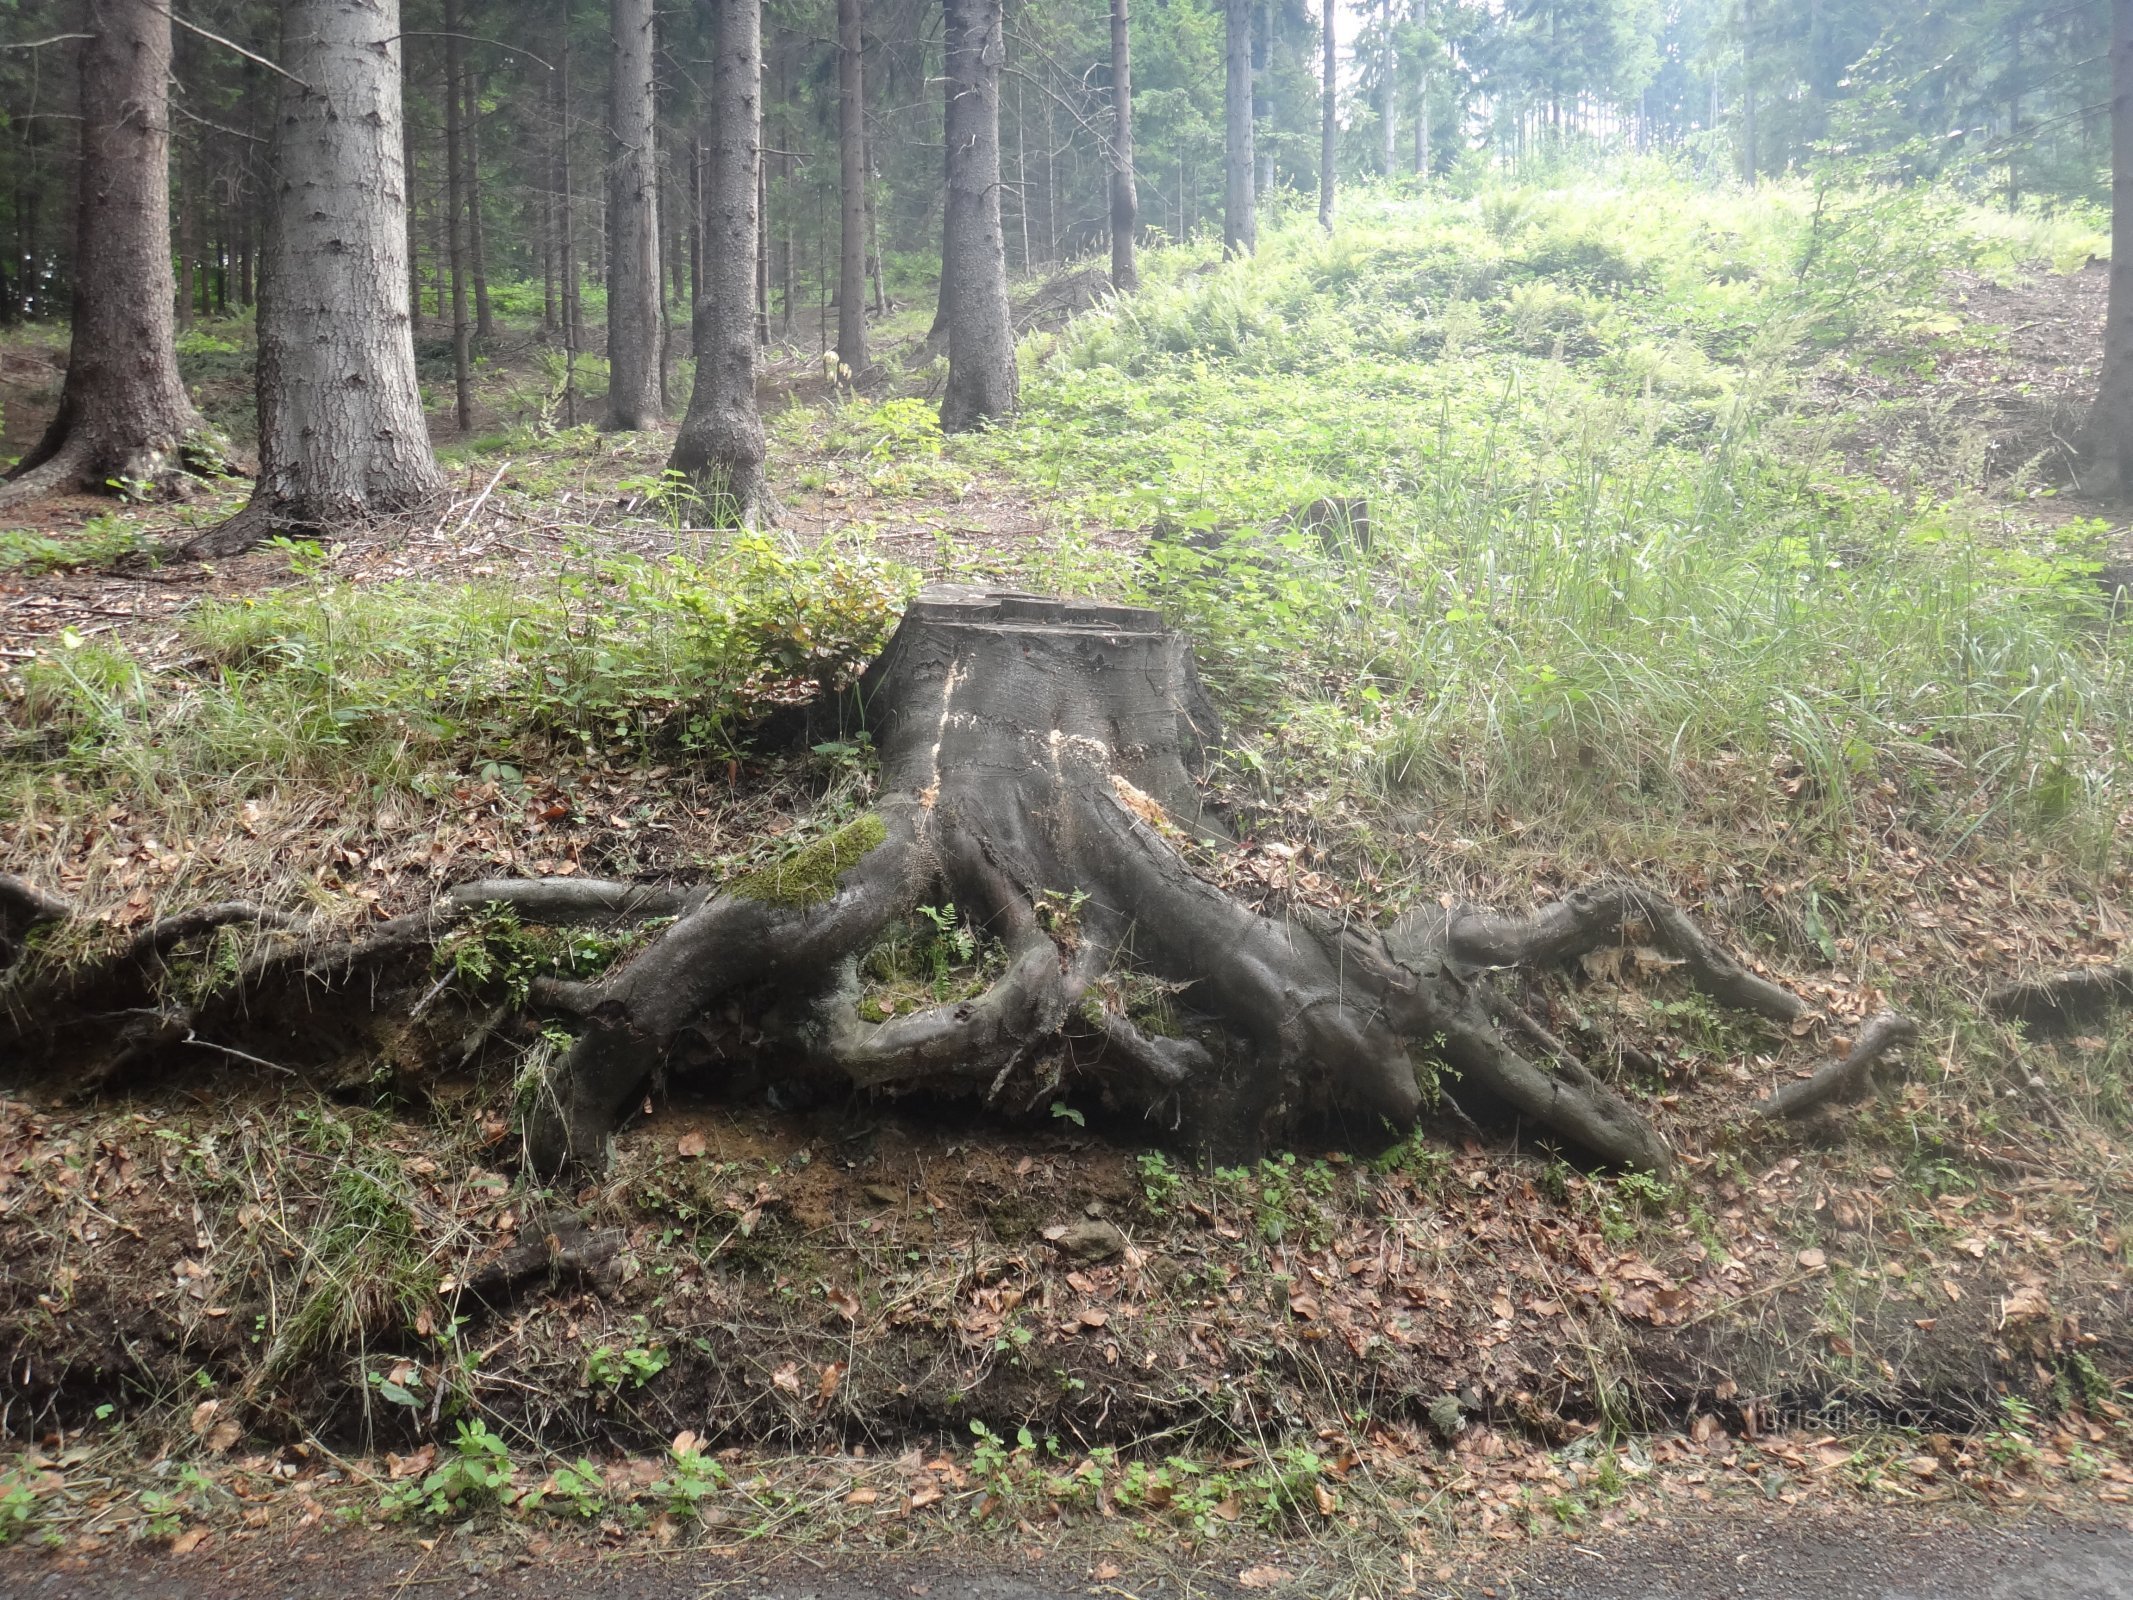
[{"x": 1771, "y": 1555}]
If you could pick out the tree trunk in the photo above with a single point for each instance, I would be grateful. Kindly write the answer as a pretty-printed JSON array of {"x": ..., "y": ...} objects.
[
  {"x": 341, "y": 433},
  {"x": 567, "y": 233},
  {"x": 2108, "y": 438},
  {"x": 981, "y": 341},
  {"x": 188, "y": 249},
  {"x": 477, "y": 234},
  {"x": 1328, "y": 125},
  {"x": 1750, "y": 163},
  {"x": 1422, "y": 93},
  {"x": 1389, "y": 99},
  {"x": 1263, "y": 99},
  {"x": 721, "y": 446},
  {"x": 123, "y": 412},
  {"x": 944, "y": 304},
  {"x": 455, "y": 229},
  {"x": 1240, "y": 226},
  {"x": 1125, "y": 200},
  {"x": 852, "y": 181},
  {"x": 632, "y": 222}
]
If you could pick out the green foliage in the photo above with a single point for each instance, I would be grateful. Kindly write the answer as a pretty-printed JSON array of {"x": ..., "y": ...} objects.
[
  {"x": 101, "y": 541},
  {"x": 691, "y": 1479},
  {"x": 1613, "y": 569},
  {"x": 609, "y": 1368},
  {"x": 476, "y": 1475},
  {"x": 363, "y": 1263},
  {"x": 19, "y": 1507},
  {"x": 402, "y": 681}
]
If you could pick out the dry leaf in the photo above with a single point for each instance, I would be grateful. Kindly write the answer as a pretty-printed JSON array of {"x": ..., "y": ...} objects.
[
  {"x": 787, "y": 1378},
  {"x": 926, "y": 1494},
  {"x": 691, "y": 1144},
  {"x": 1262, "y": 1578},
  {"x": 188, "y": 1541},
  {"x": 862, "y": 1497},
  {"x": 832, "y": 1375},
  {"x": 1812, "y": 1260}
]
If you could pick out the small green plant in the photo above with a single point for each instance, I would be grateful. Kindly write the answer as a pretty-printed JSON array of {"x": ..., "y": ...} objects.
[
  {"x": 608, "y": 1368},
  {"x": 1160, "y": 1181},
  {"x": 691, "y": 1479},
  {"x": 475, "y": 1476},
  {"x": 19, "y": 1507},
  {"x": 580, "y": 1487}
]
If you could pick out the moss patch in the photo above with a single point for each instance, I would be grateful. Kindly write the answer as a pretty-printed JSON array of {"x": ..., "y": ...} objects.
[{"x": 809, "y": 875}]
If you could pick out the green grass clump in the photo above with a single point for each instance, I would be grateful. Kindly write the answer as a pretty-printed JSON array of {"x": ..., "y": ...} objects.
[{"x": 409, "y": 684}]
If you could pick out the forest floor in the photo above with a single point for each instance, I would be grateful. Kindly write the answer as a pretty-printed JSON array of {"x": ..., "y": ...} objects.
[{"x": 909, "y": 1332}]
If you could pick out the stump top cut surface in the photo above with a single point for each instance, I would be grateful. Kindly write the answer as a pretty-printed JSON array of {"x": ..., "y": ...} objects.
[{"x": 1013, "y": 611}]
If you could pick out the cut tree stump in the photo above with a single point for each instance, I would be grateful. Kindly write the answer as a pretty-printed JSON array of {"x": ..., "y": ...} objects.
[{"x": 1038, "y": 761}]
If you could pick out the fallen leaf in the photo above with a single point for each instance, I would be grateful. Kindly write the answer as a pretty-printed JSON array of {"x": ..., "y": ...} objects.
[
  {"x": 862, "y": 1497},
  {"x": 691, "y": 1144},
  {"x": 188, "y": 1541},
  {"x": 1812, "y": 1260},
  {"x": 787, "y": 1378},
  {"x": 1262, "y": 1577},
  {"x": 926, "y": 1494},
  {"x": 832, "y": 1375}
]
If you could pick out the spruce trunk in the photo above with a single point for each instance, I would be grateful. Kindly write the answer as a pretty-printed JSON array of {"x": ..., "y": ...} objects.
[
  {"x": 981, "y": 339},
  {"x": 342, "y": 439},
  {"x": 721, "y": 446},
  {"x": 632, "y": 223},
  {"x": 123, "y": 412}
]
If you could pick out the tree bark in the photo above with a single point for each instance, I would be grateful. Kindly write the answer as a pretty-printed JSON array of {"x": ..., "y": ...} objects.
[
  {"x": 981, "y": 384},
  {"x": 2107, "y": 441},
  {"x": 123, "y": 416},
  {"x": 1389, "y": 99},
  {"x": 852, "y": 181},
  {"x": 944, "y": 304},
  {"x": 721, "y": 446},
  {"x": 1329, "y": 125},
  {"x": 1422, "y": 93},
  {"x": 1125, "y": 198},
  {"x": 455, "y": 227},
  {"x": 1240, "y": 226},
  {"x": 632, "y": 222},
  {"x": 341, "y": 434},
  {"x": 477, "y": 233}
]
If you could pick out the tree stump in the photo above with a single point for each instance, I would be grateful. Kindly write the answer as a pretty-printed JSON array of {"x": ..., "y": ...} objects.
[{"x": 1038, "y": 761}]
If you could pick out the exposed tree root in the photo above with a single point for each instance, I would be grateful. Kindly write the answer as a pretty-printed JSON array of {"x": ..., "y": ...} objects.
[
  {"x": 2065, "y": 1000},
  {"x": 1846, "y": 1079},
  {"x": 1036, "y": 774}
]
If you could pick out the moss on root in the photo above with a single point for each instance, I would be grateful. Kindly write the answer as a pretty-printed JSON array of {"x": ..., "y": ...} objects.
[{"x": 809, "y": 875}]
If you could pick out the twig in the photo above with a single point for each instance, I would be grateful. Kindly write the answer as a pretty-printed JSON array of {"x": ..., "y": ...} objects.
[
  {"x": 39, "y": 44},
  {"x": 232, "y": 44},
  {"x": 194, "y": 1039},
  {"x": 480, "y": 500}
]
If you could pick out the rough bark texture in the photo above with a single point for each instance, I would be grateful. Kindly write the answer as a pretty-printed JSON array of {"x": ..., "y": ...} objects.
[
  {"x": 1125, "y": 197},
  {"x": 1240, "y": 223},
  {"x": 1037, "y": 773},
  {"x": 721, "y": 446},
  {"x": 341, "y": 433},
  {"x": 944, "y": 301},
  {"x": 852, "y": 177},
  {"x": 455, "y": 226},
  {"x": 123, "y": 413},
  {"x": 2107, "y": 441},
  {"x": 981, "y": 342},
  {"x": 1389, "y": 100},
  {"x": 632, "y": 223},
  {"x": 1328, "y": 124}
]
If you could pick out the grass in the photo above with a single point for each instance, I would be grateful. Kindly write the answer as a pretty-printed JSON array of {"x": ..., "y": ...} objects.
[{"x": 1616, "y": 568}]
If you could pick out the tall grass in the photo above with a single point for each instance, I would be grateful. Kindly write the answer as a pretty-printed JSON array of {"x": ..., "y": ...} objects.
[{"x": 1616, "y": 565}]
